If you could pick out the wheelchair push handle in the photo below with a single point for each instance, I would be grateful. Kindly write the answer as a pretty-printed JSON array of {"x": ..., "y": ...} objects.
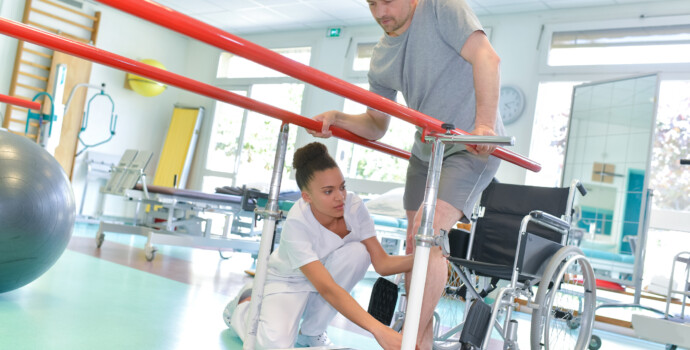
[{"x": 581, "y": 188}]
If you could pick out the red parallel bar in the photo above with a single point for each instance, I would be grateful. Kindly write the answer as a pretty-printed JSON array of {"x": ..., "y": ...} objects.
[
  {"x": 168, "y": 18},
  {"x": 20, "y": 102},
  {"x": 24, "y": 32}
]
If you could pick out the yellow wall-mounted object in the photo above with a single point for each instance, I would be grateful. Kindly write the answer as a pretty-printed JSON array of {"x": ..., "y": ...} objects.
[
  {"x": 145, "y": 86},
  {"x": 178, "y": 149}
]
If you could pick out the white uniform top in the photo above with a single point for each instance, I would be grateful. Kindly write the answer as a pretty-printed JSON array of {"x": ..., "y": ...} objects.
[{"x": 303, "y": 240}]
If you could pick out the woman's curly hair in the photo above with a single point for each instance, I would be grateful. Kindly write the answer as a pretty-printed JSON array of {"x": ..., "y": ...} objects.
[{"x": 310, "y": 159}]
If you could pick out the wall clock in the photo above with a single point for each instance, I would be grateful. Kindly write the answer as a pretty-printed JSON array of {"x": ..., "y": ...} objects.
[{"x": 511, "y": 103}]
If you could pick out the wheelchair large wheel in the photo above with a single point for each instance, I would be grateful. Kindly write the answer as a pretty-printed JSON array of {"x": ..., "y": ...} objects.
[
  {"x": 449, "y": 313},
  {"x": 566, "y": 297}
]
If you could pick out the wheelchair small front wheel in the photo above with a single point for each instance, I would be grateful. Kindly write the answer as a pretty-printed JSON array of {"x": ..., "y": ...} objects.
[
  {"x": 573, "y": 323},
  {"x": 595, "y": 342}
]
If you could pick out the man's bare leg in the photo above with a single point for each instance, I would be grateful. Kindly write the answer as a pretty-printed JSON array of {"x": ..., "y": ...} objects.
[{"x": 445, "y": 217}]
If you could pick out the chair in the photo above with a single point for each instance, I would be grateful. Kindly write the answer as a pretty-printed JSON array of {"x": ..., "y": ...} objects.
[{"x": 519, "y": 234}]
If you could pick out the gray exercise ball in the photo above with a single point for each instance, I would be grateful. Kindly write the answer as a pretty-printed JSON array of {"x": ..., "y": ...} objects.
[{"x": 37, "y": 211}]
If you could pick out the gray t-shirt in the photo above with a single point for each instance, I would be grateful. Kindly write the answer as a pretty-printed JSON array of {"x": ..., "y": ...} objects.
[{"x": 424, "y": 63}]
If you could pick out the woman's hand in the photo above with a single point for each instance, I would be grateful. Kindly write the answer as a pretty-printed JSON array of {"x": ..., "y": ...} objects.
[{"x": 388, "y": 338}]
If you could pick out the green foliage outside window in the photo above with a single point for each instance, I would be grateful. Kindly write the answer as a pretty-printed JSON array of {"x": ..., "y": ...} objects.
[{"x": 670, "y": 180}]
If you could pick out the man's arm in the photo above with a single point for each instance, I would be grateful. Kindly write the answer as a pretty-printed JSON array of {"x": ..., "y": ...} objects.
[
  {"x": 370, "y": 125},
  {"x": 486, "y": 70}
]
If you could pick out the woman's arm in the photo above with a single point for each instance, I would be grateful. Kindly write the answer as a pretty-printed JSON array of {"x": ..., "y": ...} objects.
[
  {"x": 385, "y": 264},
  {"x": 342, "y": 301}
]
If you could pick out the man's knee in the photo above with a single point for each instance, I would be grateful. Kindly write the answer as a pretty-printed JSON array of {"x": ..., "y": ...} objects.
[{"x": 446, "y": 215}]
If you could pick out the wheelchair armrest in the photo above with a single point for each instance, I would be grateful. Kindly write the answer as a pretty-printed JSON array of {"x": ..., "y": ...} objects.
[
  {"x": 542, "y": 219},
  {"x": 549, "y": 221}
]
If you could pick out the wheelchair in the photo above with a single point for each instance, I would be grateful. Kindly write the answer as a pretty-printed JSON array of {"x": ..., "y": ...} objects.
[{"x": 518, "y": 238}]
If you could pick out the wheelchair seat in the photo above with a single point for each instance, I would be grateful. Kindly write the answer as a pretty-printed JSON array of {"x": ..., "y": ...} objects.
[
  {"x": 534, "y": 250},
  {"x": 496, "y": 227}
]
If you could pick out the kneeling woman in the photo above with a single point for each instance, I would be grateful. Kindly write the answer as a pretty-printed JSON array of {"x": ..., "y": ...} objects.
[{"x": 326, "y": 245}]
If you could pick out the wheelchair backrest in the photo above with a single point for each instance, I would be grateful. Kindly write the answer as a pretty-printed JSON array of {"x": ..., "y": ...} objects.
[{"x": 505, "y": 205}]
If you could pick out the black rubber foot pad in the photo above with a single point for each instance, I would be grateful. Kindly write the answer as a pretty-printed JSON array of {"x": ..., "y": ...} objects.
[{"x": 384, "y": 297}]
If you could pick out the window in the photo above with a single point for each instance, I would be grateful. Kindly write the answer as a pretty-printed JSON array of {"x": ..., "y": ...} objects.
[
  {"x": 359, "y": 162},
  {"x": 233, "y": 66},
  {"x": 360, "y": 63},
  {"x": 227, "y": 127},
  {"x": 368, "y": 170},
  {"x": 242, "y": 146},
  {"x": 550, "y": 131},
  {"x": 578, "y": 53},
  {"x": 358, "y": 57},
  {"x": 372, "y": 170},
  {"x": 669, "y": 179},
  {"x": 261, "y": 132},
  {"x": 618, "y": 46},
  {"x": 574, "y": 53},
  {"x": 578, "y": 50}
]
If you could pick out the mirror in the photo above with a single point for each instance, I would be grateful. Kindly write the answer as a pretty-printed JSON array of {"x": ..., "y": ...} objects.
[{"x": 609, "y": 149}]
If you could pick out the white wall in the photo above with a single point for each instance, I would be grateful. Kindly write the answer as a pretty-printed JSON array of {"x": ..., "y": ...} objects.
[{"x": 142, "y": 121}]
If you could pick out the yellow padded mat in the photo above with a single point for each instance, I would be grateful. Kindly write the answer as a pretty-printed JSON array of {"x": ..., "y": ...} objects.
[{"x": 178, "y": 148}]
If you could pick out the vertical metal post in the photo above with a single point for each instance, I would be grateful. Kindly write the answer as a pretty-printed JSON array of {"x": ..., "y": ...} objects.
[
  {"x": 669, "y": 292},
  {"x": 685, "y": 288},
  {"x": 271, "y": 214},
  {"x": 423, "y": 247},
  {"x": 638, "y": 267}
]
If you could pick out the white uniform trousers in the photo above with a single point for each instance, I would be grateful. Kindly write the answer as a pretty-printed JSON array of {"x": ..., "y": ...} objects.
[{"x": 281, "y": 312}]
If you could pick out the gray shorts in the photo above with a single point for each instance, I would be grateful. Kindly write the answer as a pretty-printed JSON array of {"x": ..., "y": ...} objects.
[{"x": 463, "y": 177}]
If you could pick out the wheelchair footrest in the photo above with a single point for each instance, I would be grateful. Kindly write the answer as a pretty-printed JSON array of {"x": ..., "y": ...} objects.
[
  {"x": 384, "y": 297},
  {"x": 477, "y": 324}
]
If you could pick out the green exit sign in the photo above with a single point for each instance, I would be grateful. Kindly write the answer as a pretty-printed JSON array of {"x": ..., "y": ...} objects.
[{"x": 333, "y": 32}]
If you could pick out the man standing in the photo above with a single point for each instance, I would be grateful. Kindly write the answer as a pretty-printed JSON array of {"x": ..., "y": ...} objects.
[{"x": 436, "y": 53}]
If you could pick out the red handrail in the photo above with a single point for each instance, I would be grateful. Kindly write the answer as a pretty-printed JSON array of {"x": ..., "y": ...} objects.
[
  {"x": 183, "y": 24},
  {"x": 24, "y": 32},
  {"x": 20, "y": 102}
]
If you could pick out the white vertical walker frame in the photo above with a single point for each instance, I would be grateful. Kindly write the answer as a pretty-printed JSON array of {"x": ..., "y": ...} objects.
[
  {"x": 425, "y": 237},
  {"x": 271, "y": 215}
]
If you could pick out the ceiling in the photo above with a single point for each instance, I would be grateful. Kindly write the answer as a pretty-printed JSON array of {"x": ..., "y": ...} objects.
[{"x": 256, "y": 16}]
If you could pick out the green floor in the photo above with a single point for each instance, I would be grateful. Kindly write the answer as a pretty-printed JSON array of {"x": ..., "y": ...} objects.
[
  {"x": 87, "y": 303},
  {"x": 84, "y": 302}
]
